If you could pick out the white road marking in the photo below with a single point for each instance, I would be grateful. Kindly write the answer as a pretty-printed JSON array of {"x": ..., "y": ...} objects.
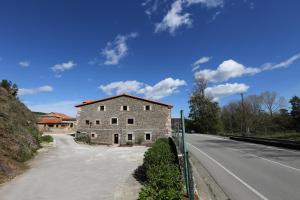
[
  {"x": 231, "y": 173},
  {"x": 269, "y": 160},
  {"x": 278, "y": 163}
]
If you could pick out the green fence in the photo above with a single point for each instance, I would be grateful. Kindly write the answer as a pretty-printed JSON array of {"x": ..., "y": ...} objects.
[{"x": 179, "y": 139}]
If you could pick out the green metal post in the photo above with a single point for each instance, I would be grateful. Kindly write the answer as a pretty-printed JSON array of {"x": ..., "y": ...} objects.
[{"x": 186, "y": 171}]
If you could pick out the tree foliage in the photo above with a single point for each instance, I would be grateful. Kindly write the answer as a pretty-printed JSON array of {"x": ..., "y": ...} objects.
[
  {"x": 264, "y": 113},
  {"x": 204, "y": 113},
  {"x": 295, "y": 112},
  {"x": 10, "y": 87}
]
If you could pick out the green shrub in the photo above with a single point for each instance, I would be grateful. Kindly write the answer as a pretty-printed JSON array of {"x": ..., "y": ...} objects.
[
  {"x": 83, "y": 138},
  {"x": 46, "y": 138},
  {"x": 159, "y": 154},
  {"x": 164, "y": 179}
]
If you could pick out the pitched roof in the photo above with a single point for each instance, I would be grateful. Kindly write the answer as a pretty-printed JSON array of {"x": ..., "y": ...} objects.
[
  {"x": 59, "y": 115},
  {"x": 124, "y": 95},
  {"x": 49, "y": 120}
]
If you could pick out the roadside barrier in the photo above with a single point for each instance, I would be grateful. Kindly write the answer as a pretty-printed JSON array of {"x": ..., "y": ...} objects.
[
  {"x": 179, "y": 140},
  {"x": 271, "y": 142}
]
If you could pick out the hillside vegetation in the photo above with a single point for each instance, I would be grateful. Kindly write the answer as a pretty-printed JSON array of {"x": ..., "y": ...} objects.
[{"x": 18, "y": 135}]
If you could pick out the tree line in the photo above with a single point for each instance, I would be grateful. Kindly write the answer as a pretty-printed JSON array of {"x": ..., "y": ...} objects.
[{"x": 263, "y": 113}]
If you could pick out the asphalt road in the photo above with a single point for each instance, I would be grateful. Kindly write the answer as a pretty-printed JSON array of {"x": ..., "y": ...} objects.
[
  {"x": 71, "y": 171},
  {"x": 249, "y": 171}
]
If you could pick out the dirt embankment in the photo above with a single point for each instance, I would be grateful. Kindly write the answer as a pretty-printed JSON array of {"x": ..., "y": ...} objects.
[{"x": 18, "y": 135}]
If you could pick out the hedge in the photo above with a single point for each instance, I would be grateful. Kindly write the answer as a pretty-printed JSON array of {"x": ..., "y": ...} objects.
[
  {"x": 46, "y": 138},
  {"x": 164, "y": 179}
]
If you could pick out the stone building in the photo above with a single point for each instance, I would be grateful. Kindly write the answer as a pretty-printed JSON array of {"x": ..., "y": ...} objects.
[
  {"x": 123, "y": 119},
  {"x": 56, "y": 122}
]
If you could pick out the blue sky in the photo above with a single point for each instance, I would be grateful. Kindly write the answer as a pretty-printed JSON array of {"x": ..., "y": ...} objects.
[{"x": 62, "y": 52}]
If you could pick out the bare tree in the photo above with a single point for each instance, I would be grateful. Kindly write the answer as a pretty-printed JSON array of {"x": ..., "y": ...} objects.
[
  {"x": 200, "y": 85},
  {"x": 272, "y": 102}
]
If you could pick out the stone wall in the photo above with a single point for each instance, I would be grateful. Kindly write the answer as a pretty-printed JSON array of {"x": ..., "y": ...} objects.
[{"x": 156, "y": 121}]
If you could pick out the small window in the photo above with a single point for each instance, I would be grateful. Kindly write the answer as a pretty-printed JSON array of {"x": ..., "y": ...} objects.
[
  {"x": 147, "y": 107},
  {"x": 129, "y": 137},
  {"x": 93, "y": 135},
  {"x": 101, "y": 108},
  {"x": 87, "y": 122},
  {"x": 148, "y": 136},
  {"x": 97, "y": 122},
  {"x": 125, "y": 108},
  {"x": 130, "y": 121},
  {"x": 114, "y": 120}
]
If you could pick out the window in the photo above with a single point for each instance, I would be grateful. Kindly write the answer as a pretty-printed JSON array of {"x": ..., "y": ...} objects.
[
  {"x": 125, "y": 108},
  {"x": 148, "y": 136},
  {"x": 114, "y": 120},
  {"x": 147, "y": 107},
  {"x": 130, "y": 121},
  {"x": 93, "y": 135},
  {"x": 129, "y": 137},
  {"x": 97, "y": 122},
  {"x": 101, "y": 108},
  {"x": 71, "y": 125},
  {"x": 87, "y": 122}
]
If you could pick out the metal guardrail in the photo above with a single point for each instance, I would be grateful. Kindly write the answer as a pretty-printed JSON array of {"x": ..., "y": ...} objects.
[
  {"x": 179, "y": 139},
  {"x": 272, "y": 142}
]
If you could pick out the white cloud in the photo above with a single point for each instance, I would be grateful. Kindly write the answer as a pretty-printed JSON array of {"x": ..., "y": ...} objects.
[
  {"x": 227, "y": 89},
  {"x": 63, "y": 66},
  {"x": 196, "y": 65},
  {"x": 30, "y": 91},
  {"x": 226, "y": 70},
  {"x": 231, "y": 69},
  {"x": 116, "y": 50},
  {"x": 160, "y": 90},
  {"x": 206, "y": 3},
  {"x": 174, "y": 18},
  {"x": 121, "y": 87},
  {"x": 24, "y": 63},
  {"x": 284, "y": 64},
  {"x": 66, "y": 107}
]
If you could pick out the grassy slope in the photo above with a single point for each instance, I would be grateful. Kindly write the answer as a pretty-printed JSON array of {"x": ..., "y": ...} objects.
[{"x": 18, "y": 135}]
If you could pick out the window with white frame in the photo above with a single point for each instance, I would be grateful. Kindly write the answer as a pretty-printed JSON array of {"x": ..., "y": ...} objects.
[
  {"x": 130, "y": 137},
  {"x": 125, "y": 108},
  {"x": 93, "y": 135},
  {"x": 147, "y": 107},
  {"x": 101, "y": 108},
  {"x": 148, "y": 136},
  {"x": 130, "y": 121},
  {"x": 114, "y": 120}
]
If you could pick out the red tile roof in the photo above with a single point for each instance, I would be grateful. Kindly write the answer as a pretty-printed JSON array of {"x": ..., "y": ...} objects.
[
  {"x": 59, "y": 115},
  {"x": 126, "y": 95},
  {"x": 49, "y": 120},
  {"x": 87, "y": 101}
]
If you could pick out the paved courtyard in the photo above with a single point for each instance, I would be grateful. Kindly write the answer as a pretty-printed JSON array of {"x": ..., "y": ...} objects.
[{"x": 71, "y": 171}]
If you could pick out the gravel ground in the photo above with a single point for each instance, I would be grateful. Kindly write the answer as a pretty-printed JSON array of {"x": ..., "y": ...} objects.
[{"x": 71, "y": 171}]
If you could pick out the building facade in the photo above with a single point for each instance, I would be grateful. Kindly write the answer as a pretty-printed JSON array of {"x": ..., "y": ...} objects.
[
  {"x": 123, "y": 119},
  {"x": 56, "y": 122}
]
